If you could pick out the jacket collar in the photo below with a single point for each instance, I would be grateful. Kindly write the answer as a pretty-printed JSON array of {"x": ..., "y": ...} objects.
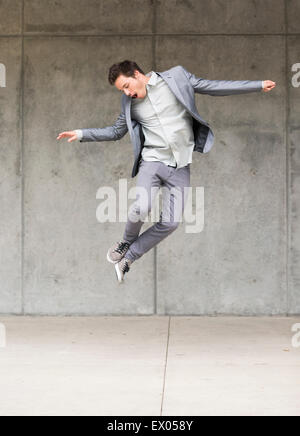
[{"x": 153, "y": 78}]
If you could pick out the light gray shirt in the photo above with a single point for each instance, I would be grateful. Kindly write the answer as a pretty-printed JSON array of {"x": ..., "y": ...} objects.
[{"x": 166, "y": 124}]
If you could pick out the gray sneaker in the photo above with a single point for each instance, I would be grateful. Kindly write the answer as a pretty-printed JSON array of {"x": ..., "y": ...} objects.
[
  {"x": 121, "y": 268},
  {"x": 117, "y": 251}
]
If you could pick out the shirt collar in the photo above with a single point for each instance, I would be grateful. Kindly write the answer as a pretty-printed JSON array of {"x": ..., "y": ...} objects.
[{"x": 153, "y": 78}]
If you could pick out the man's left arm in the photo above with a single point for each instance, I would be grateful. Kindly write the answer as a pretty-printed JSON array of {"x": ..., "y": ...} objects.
[{"x": 227, "y": 87}]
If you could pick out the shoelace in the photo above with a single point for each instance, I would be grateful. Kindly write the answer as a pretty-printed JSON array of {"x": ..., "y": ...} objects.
[
  {"x": 125, "y": 267},
  {"x": 122, "y": 247}
]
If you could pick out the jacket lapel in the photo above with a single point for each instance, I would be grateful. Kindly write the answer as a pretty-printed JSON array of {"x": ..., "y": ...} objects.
[
  {"x": 173, "y": 86},
  {"x": 169, "y": 79},
  {"x": 128, "y": 114},
  {"x": 131, "y": 126}
]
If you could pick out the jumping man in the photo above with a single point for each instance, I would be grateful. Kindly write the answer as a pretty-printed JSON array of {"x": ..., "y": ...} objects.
[{"x": 159, "y": 111}]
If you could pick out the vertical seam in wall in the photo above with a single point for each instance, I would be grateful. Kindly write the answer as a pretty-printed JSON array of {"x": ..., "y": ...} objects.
[
  {"x": 22, "y": 163},
  {"x": 154, "y": 33},
  {"x": 154, "y": 29},
  {"x": 165, "y": 369},
  {"x": 288, "y": 166},
  {"x": 287, "y": 118}
]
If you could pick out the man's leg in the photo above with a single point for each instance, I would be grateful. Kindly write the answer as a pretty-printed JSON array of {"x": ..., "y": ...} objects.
[
  {"x": 174, "y": 198},
  {"x": 148, "y": 184}
]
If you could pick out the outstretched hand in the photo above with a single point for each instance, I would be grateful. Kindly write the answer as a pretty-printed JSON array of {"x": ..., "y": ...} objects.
[
  {"x": 71, "y": 135},
  {"x": 268, "y": 85}
]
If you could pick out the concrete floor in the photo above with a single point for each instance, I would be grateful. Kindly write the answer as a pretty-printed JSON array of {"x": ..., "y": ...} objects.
[{"x": 149, "y": 365}]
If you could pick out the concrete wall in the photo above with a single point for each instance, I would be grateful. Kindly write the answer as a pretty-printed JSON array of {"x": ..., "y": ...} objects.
[{"x": 57, "y": 53}]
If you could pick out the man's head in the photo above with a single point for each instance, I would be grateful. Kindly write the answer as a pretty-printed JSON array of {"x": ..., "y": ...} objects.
[{"x": 128, "y": 77}]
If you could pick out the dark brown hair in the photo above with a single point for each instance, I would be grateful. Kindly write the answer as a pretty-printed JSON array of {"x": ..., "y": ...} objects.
[{"x": 127, "y": 68}]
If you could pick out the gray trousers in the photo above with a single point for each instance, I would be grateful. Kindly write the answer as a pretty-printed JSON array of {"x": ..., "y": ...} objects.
[{"x": 153, "y": 176}]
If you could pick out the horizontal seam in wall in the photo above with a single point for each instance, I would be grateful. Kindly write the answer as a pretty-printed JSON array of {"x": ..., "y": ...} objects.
[{"x": 178, "y": 35}]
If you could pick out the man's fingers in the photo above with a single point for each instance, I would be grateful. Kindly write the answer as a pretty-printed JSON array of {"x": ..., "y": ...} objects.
[
  {"x": 271, "y": 87},
  {"x": 269, "y": 84},
  {"x": 62, "y": 135},
  {"x": 72, "y": 139},
  {"x": 65, "y": 135}
]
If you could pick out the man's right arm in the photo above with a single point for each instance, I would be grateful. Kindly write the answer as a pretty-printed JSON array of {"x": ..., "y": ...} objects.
[{"x": 110, "y": 133}]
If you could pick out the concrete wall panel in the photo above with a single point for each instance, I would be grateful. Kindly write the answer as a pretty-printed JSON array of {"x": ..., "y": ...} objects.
[
  {"x": 10, "y": 17},
  {"x": 88, "y": 16},
  {"x": 237, "y": 264},
  {"x": 220, "y": 16},
  {"x": 294, "y": 150},
  {"x": 10, "y": 176},
  {"x": 293, "y": 14},
  {"x": 66, "y": 270}
]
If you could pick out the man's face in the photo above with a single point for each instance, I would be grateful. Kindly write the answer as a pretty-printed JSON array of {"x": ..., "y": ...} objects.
[{"x": 133, "y": 87}]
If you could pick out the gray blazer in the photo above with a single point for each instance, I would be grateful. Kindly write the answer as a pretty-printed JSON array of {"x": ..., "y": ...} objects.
[{"x": 184, "y": 85}]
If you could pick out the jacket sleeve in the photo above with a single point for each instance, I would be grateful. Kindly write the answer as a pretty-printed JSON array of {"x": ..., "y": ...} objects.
[
  {"x": 223, "y": 87},
  {"x": 110, "y": 133}
]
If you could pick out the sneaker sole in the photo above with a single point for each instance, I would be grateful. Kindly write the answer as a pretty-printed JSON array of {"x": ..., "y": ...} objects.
[{"x": 118, "y": 273}]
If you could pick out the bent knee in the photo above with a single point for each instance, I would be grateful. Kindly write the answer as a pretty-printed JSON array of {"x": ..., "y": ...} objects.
[{"x": 169, "y": 226}]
